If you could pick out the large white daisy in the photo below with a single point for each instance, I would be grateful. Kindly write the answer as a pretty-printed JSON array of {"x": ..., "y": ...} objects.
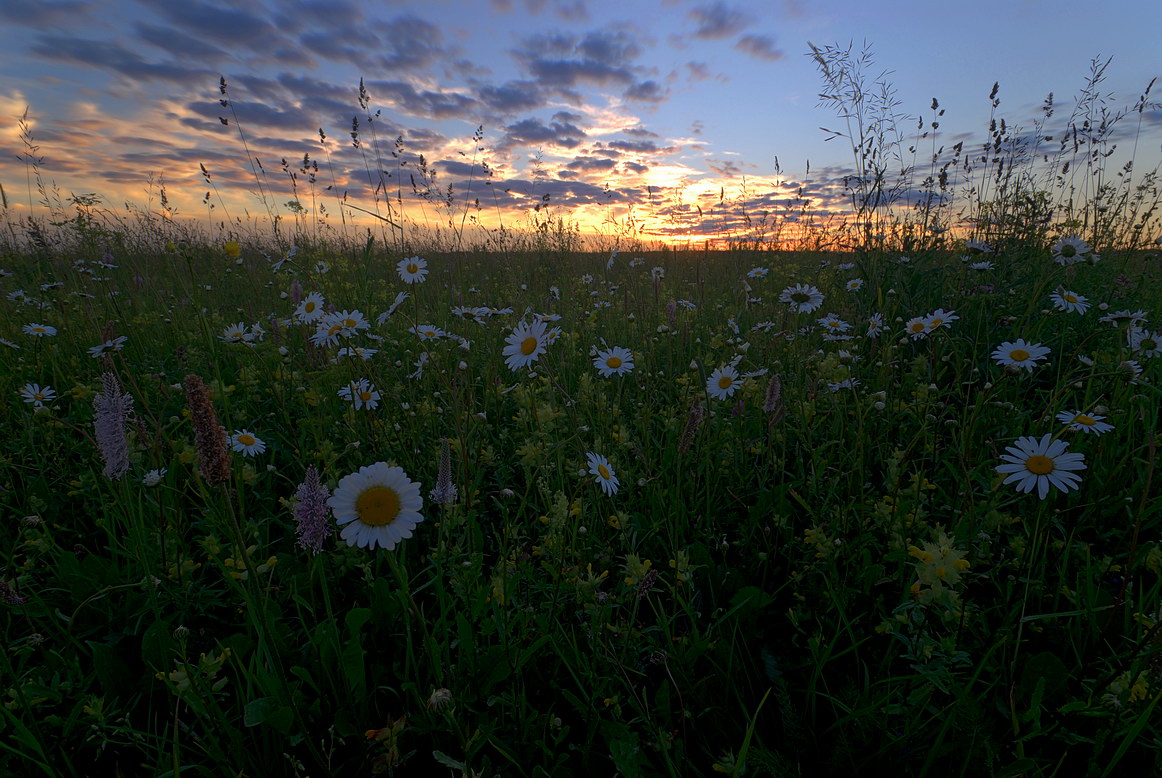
[
  {"x": 247, "y": 443},
  {"x": 378, "y": 505},
  {"x": 1020, "y": 354},
  {"x": 606, "y": 477},
  {"x": 311, "y": 308},
  {"x": 1084, "y": 422},
  {"x": 525, "y": 345},
  {"x": 802, "y": 298},
  {"x": 412, "y": 270},
  {"x": 1033, "y": 463},
  {"x": 614, "y": 361},
  {"x": 1070, "y": 250},
  {"x": 723, "y": 382},
  {"x": 1070, "y": 302}
]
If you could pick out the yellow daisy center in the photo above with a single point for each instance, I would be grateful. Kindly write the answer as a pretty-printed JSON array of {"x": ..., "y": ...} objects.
[
  {"x": 528, "y": 345},
  {"x": 918, "y": 326},
  {"x": 800, "y": 297},
  {"x": 378, "y": 506},
  {"x": 613, "y": 363},
  {"x": 1039, "y": 464},
  {"x": 334, "y": 328},
  {"x": 725, "y": 382},
  {"x": 1018, "y": 355},
  {"x": 1068, "y": 250},
  {"x": 936, "y": 323},
  {"x": 349, "y": 323},
  {"x": 603, "y": 471},
  {"x": 38, "y": 395},
  {"x": 309, "y": 307},
  {"x": 1081, "y": 418},
  {"x": 412, "y": 267},
  {"x": 1070, "y": 298},
  {"x": 365, "y": 396},
  {"x": 247, "y": 439}
]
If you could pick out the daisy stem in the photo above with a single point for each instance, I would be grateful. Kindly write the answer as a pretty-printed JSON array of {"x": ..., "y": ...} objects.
[{"x": 430, "y": 646}]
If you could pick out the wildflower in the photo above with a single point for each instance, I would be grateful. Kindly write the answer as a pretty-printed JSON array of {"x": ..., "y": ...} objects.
[
  {"x": 235, "y": 333},
  {"x": 940, "y": 318},
  {"x": 525, "y": 345},
  {"x": 445, "y": 492},
  {"x": 246, "y": 443},
  {"x": 378, "y": 505},
  {"x": 1081, "y": 422},
  {"x": 233, "y": 249},
  {"x": 847, "y": 383},
  {"x": 361, "y": 394},
  {"x": 399, "y": 298},
  {"x": 855, "y": 284},
  {"x": 636, "y": 262},
  {"x": 412, "y": 271},
  {"x": 1070, "y": 302},
  {"x": 328, "y": 333},
  {"x": 1144, "y": 342},
  {"x": 917, "y": 327},
  {"x": 977, "y": 247},
  {"x": 1134, "y": 318},
  {"x": 802, "y": 298},
  {"x": 687, "y": 305},
  {"x": 586, "y": 278},
  {"x": 1033, "y": 463},
  {"x": 723, "y": 382},
  {"x": 358, "y": 351},
  {"x": 609, "y": 262},
  {"x": 349, "y": 321},
  {"x": 757, "y": 272},
  {"x": 37, "y": 395},
  {"x": 111, "y": 408},
  {"x": 773, "y": 400},
  {"x": 322, "y": 268},
  {"x": 693, "y": 421},
  {"x": 938, "y": 565},
  {"x": 9, "y": 343},
  {"x": 614, "y": 361},
  {"x": 657, "y": 273},
  {"x": 985, "y": 265},
  {"x": 833, "y": 323},
  {"x": 427, "y": 332},
  {"x": 39, "y": 330},
  {"x": 209, "y": 436},
  {"x": 108, "y": 347},
  {"x": 606, "y": 477},
  {"x": 311, "y": 308},
  {"x": 1070, "y": 250},
  {"x": 154, "y": 477},
  {"x": 875, "y": 325},
  {"x": 311, "y": 512},
  {"x": 1019, "y": 354}
]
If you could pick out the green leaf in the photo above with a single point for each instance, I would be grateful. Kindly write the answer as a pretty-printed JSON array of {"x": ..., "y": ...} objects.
[
  {"x": 157, "y": 645},
  {"x": 266, "y": 710},
  {"x": 112, "y": 672}
]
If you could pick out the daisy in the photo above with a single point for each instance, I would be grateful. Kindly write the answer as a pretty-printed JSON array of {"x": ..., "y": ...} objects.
[
  {"x": 657, "y": 273},
  {"x": 1118, "y": 317},
  {"x": 1020, "y": 354},
  {"x": 311, "y": 308},
  {"x": 525, "y": 345},
  {"x": 940, "y": 318},
  {"x": 1070, "y": 302},
  {"x": 232, "y": 248},
  {"x": 832, "y": 323},
  {"x": 1144, "y": 342},
  {"x": 322, "y": 267},
  {"x": 350, "y": 321},
  {"x": 1070, "y": 250},
  {"x": 39, "y": 330},
  {"x": 327, "y": 334},
  {"x": 586, "y": 279},
  {"x": 246, "y": 443},
  {"x": 636, "y": 261},
  {"x": 802, "y": 298},
  {"x": 37, "y": 395},
  {"x": 361, "y": 394},
  {"x": 614, "y": 361},
  {"x": 985, "y": 265},
  {"x": 399, "y": 298},
  {"x": 358, "y": 351},
  {"x": 847, "y": 383},
  {"x": 757, "y": 272},
  {"x": 977, "y": 246},
  {"x": 154, "y": 477},
  {"x": 108, "y": 346},
  {"x": 412, "y": 270},
  {"x": 1081, "y": 422},
  {"x": 854, "y": 284},
  {"x": 875, "y": 325},
  {"x": 378, "y": 505},
  {"x": 427, "y": 332},
  {"x": 1033, "y": 463},
  {"x": 723, "y": 382},
  {"x": 235, "y": 333},
  {"x": 917, "y": 327},
  {"x": 606, "y": 477}
]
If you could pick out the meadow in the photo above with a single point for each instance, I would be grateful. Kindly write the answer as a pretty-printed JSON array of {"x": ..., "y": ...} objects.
[{"x": 320, "y": 507}]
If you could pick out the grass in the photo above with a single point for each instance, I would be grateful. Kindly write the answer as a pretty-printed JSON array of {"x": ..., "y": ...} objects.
[{"x": 821, "y": 574}]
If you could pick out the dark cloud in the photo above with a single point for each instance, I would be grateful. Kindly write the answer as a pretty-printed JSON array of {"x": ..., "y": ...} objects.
[
  {"x": 637, "y": 146},
  {"x": 423, "y": 103},
  {"x": 725, "y": 167},
  {"x": 717, "y": 20},
  {"x": 114, "y": 57},
  {"x": 635, "y": 167},
  {"x": 760, "y": 47},
  {"x": 37, "y": 13},
  {"x": 211, "y": 22},
  {"x": 560, "y": 60},
  {"x": 180, "y": 45},
  {"x": 646, "y": 92},
  {"x": 640, "y": 132},
  {"x": 589, "y": 164},
  {"x": 571, "y": 10},
  {"x": 698, "y": 71},
  {"x": 567, "y": 116},
  {"x": 533, "y": 132},
  {"x": 512, "y": 97}
]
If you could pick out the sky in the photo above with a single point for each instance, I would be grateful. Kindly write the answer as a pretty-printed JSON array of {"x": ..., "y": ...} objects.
[{"x": 665, "y": 120}]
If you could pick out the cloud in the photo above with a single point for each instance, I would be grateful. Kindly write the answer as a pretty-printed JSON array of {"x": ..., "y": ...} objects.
[
  {"x": 717, "y": 20},
  {"x": 533, "y": 132},
  {"x": 210, "y": 22},
  {"x": 422, "y": 102},
  {"x": 562, "y": 61},
  {"x": 512, "y": 97},
  {"x": 638, "y": 146},
  {"x": 37, "y": 13},
  {"x": 113, "y": 56},
  {"x": 760, "y": 47},
  {"x": 179, "y": 45},
  {"x": 646, "y": 92},
  {"x": 589, "y": 164}
]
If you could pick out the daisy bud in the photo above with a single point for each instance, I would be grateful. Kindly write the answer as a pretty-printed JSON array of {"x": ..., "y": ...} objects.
[
  {"x": 112, "y": 413},
  {"x": 209, "y": 435}
]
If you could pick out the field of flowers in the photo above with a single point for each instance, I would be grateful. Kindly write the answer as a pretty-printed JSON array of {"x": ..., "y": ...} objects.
[{"x": 335, "y": 511}]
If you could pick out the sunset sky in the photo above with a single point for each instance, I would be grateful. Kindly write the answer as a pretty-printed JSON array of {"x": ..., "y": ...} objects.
[{"x": 677, "y": 109}]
